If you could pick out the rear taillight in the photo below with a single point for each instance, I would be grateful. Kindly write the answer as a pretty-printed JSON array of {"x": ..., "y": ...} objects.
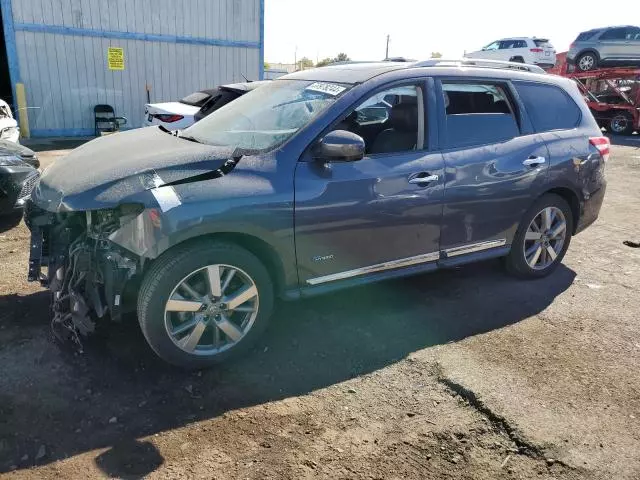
[
  {"x": 572, "y": 45},
  {"x": 167, "y": 118},
  {"x": 603, "y": 145},
  {"x": 536, "y": 50}
]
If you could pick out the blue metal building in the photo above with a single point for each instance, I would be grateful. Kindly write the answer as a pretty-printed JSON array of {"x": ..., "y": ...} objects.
[{"x": 65, "y": 56}]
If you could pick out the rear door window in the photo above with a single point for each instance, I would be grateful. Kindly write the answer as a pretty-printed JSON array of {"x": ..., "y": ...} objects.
[
  {"x": 478, "y": 113},
  {"x": 549, "y": 107},
  {"x": 633, "y": 33},
  {"x": 614, "y": 34}
]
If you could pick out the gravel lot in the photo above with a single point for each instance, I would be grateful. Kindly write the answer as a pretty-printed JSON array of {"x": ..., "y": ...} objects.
[{"x": 465, "y": 373}]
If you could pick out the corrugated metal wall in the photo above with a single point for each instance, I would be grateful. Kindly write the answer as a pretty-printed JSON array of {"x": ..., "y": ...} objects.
[{"x": 174, "y": 46}]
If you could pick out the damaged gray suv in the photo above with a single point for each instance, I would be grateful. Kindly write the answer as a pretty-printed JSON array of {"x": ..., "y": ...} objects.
[{"x": 320, "y": 180}]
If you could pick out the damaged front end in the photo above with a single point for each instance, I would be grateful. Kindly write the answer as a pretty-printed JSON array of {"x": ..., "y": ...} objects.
[
  {"x": 71, "y": 254},
  {"x": 98, "y": 215}
]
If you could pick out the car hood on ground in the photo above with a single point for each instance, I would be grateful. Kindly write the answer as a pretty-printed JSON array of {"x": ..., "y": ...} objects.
[
  {"x": 113, "y": 169},
  {"x": 172, "y": 107}
]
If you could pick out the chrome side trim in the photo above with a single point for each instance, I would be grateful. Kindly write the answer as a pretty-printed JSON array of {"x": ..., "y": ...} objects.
[
  {"x": 474, "y": 247},
  {"x": 403, "y": 262}
]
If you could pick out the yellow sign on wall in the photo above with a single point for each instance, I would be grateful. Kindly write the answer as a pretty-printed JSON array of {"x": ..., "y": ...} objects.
[{"x": 115, "y": 58}]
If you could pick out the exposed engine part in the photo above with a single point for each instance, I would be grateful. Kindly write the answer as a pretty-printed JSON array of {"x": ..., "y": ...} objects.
[{"x": 86, "y": 272}]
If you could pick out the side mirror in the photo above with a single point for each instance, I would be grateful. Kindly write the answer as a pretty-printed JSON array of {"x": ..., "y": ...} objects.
[{"x": 340, "y": 145}]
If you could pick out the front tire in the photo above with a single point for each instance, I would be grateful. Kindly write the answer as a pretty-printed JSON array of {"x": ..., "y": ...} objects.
[
  {"x": 587, "y": 61},
  {"x": 542, "y": 239},
  {"x": 204, "y": 303}
]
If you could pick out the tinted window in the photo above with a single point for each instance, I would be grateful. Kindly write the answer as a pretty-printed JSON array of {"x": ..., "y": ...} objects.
[
  {"x": 505, "y": 44},
  {"x": 548, "y": 106},
  {"x": 614, "y": 34},
  {"x": 461, "y": 98},
  {"x": 586, "y": 36},
  {"x": 478, "y": 114},
  {"x": 633, "y": 33}
]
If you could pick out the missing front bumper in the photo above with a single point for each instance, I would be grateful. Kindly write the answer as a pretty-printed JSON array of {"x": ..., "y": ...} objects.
[{"x": 86, "y": 273}]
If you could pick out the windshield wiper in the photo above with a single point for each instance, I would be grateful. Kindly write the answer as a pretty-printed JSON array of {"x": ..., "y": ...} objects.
[
  {"x": 186, "y": 137},
  {"x": 177, "y": 133}
]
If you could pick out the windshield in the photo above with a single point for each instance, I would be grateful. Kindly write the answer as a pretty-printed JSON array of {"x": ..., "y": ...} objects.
[{"x": 266, "y": 116}]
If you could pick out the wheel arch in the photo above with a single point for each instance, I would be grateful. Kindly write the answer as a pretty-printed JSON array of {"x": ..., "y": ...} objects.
[
  {"x": 265, "y": 252},
  {"x": 571, "y": 197},
  {"x": 517, "y": 58},
  {"x": 588, "y": 50}
]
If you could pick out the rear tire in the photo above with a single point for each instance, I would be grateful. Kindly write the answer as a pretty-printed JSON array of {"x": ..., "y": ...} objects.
[
  {"x": 621, "y": 124},
  {"x": 517, "y": 59},
  {"x": 195, "y": 275},
  {"x": 587, "y": 61},
  {"x": 532, "y": 258}
]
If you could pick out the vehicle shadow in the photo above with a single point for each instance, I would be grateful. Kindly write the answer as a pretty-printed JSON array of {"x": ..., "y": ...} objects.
[
  {"x": 310, "y": 345},
  {"x": 8, "y": 222}
]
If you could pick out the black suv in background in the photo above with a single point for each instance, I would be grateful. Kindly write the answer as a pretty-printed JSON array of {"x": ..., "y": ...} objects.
[{"x": 297, "y": 188}]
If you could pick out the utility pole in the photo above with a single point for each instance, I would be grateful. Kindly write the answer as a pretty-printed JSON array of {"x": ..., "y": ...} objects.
[{"x": 387, "y": 53}]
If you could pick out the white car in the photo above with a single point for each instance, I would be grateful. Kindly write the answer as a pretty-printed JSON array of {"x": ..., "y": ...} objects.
[
  {"x": 534, "y": 51},
  {"x": 176, "y": 115},
  {"x": 8, "y": 125}
]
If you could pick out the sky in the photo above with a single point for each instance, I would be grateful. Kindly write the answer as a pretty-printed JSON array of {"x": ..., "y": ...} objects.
[{"x": 319, "y": 29}]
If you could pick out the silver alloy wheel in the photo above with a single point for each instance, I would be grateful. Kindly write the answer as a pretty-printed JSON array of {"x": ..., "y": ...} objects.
[
  {"x": 619, "y": 123},
  {"x": 211, "y": 309},
  {"x": 545, "y": 237},
  {"x": 587, "y": 62}
]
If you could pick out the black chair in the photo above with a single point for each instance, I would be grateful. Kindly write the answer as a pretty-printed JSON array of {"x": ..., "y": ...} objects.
[{"x": 106, "y": 120}]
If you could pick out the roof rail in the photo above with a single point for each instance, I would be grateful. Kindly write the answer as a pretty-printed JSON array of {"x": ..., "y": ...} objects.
[{"x": 477, "y": 62}]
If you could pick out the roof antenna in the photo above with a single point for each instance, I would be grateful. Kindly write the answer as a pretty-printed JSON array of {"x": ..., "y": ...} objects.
[{"x": 245, "y": 78}]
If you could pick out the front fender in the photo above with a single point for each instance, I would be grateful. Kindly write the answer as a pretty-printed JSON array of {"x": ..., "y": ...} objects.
[{"x": 263, "y": 215}]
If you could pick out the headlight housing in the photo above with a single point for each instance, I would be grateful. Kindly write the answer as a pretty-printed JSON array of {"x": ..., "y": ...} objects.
[{"x": 10, "y": 160}]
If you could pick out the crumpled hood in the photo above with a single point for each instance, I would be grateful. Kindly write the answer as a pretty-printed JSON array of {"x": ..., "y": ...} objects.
[{"x": 108, "y": 170}]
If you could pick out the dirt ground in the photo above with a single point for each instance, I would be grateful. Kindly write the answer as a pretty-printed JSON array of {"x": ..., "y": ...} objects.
[{"x": 461, "y": 374}]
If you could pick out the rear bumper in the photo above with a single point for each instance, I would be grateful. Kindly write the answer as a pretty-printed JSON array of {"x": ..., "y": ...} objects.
[{"x": 591, "y": 208}]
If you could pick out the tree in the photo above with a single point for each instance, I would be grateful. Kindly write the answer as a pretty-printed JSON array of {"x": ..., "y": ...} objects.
[
  {"x": 436, "y": 55},
  {"x": 304, "y": 62},
  {"x": 342, "y": 57},
  {"x": 267, "y": 66},
  {"x": 324, "y": 62}
]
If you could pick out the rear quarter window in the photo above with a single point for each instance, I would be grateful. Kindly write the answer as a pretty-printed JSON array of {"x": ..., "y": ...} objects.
[
  {"x": 585, "y": 36},
  {"x": 549, "y": 107}
]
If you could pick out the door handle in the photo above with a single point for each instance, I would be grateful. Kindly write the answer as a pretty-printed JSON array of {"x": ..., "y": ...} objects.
[
  {"x": 416, "y": 180},
  {"x": 532, "y": 161}
]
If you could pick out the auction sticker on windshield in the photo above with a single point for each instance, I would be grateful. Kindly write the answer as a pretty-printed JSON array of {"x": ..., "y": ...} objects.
[{"x": 328, "y": 88}]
